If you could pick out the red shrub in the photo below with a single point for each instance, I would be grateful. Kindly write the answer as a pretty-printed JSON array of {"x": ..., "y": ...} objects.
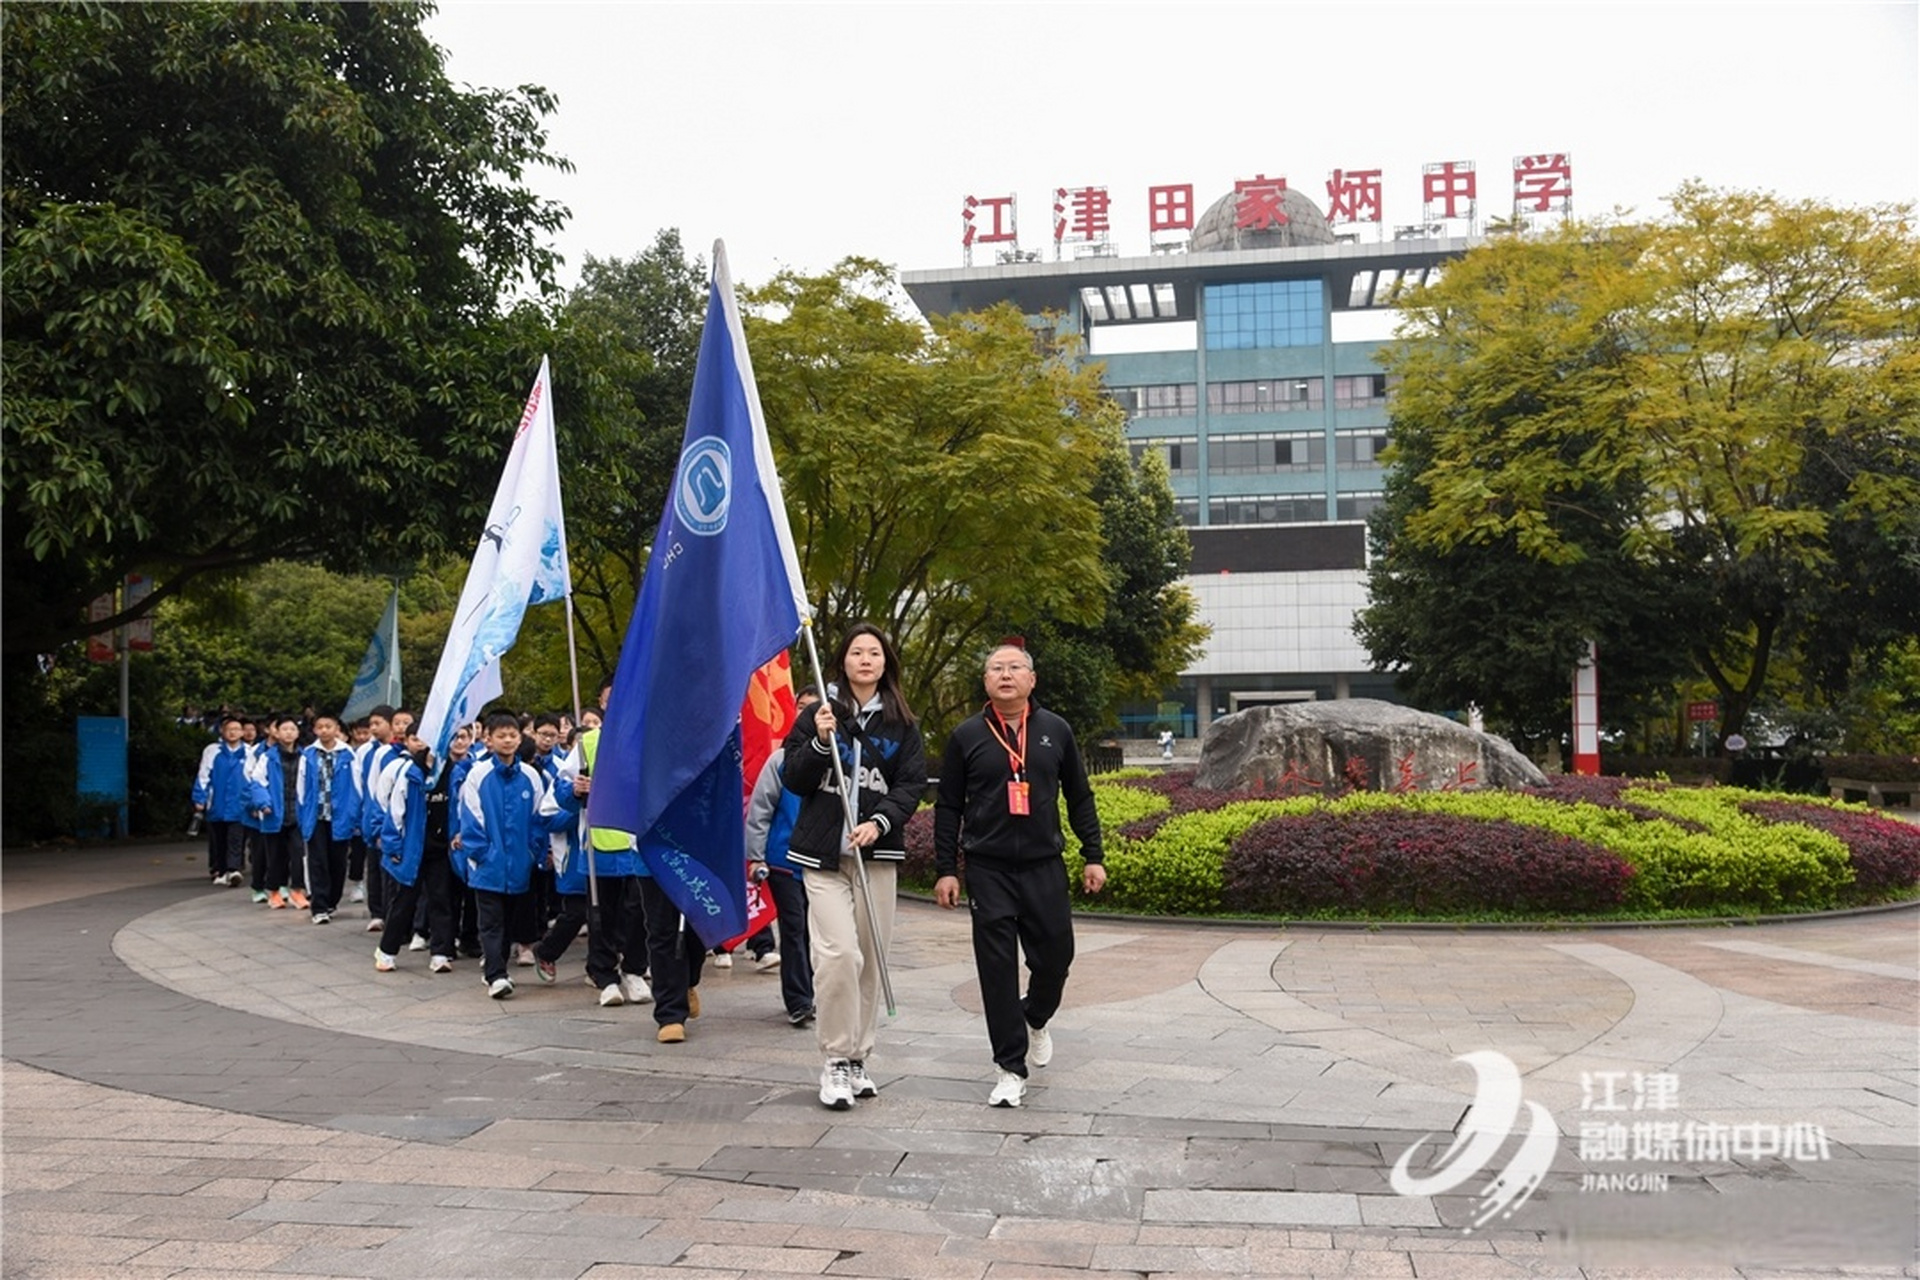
[
  {"x": 1885, "y": 851},
  {"x": 1387, "y": 862}
]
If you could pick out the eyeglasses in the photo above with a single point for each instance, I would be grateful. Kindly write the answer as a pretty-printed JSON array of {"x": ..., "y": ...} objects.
[{"x": 1002, "y": 668}]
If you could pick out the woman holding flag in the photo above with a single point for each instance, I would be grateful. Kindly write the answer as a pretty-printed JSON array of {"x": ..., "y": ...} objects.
[{"x": 867, "y": 723}]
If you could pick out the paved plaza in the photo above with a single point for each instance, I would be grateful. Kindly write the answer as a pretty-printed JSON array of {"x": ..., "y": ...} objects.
[{"x": 197, "y": 1086}]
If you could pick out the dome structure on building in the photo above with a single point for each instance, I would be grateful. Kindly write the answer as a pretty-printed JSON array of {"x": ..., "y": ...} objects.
[{"x": 1218, "y": 229}]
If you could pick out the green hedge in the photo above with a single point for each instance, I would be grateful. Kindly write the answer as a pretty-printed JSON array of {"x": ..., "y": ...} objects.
[{"x": 1708, "y": 851}]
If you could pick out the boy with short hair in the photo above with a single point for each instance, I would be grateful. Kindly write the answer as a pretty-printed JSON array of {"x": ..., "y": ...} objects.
[
  {"x": 500, "y": 837},
  {"x": 220, "y": 792},
  {"x": 277, "y": 778},
  {"x": 329, "y": 816}
]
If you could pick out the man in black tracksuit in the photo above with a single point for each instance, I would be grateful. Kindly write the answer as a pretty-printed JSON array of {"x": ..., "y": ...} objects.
[{"x": 998, "y": 805}]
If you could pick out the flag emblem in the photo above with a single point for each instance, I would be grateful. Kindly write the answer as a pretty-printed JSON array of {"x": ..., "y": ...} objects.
[{"x": 706, "y": 486}]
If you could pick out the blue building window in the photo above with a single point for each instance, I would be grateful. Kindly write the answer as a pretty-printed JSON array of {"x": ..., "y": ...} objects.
[{"x": 1276, "y": 313}]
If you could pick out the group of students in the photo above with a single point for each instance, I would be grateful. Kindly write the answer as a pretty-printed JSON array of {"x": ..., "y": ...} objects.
[{"x": 489, "y": 853}]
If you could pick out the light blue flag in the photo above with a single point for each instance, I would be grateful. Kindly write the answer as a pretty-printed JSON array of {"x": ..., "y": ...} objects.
[
  {"x": 521, "y": 560},
  {"x": 721, "y": 597},
  {"x": 379, "y": 680}
]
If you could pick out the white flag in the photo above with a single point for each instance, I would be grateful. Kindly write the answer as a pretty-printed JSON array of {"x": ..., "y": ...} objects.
[
  {"x": 521, "y": 560},
  {"x": 379, "y": 680}
]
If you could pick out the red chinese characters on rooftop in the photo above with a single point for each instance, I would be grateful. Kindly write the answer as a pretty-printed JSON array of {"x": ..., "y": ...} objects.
[
  {"x": 997, "y": 212},
  {"x": 1081, "y": 213},
  {"x": 1543, "y": 183},
  {"x": 1261, "y": 203},
  {"x": 1449, "y": 192},
  {"x": 1353, "y": 195}
]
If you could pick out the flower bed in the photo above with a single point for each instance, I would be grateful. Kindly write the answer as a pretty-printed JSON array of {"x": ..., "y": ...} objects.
[{"x": 1585, "y": 848}]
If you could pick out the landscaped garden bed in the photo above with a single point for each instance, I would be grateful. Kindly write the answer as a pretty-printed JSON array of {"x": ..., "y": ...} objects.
[{"x": 1578, "y": 850}]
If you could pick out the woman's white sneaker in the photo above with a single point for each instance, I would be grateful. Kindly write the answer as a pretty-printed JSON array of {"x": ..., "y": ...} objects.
[
  {"x": 1009, "y": 1091},
  {"x": 836, "y": 1084},
  {"x": 1039, "y": 1046}
]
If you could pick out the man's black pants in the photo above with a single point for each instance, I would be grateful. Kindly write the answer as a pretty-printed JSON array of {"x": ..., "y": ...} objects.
[{"x": 1019, "y": 907}]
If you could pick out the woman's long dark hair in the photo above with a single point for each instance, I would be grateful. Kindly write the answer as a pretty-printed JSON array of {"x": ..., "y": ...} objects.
[{"x": 893, "y": 703}]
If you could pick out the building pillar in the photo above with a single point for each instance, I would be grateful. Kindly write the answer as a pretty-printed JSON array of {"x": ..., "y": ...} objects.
[{"x": 1342, "y": 686}]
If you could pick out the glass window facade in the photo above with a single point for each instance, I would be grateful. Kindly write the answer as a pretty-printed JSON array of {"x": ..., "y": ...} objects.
[
  {"x": 1265, "y": 452},
  {"x": 1266, "y": 395},
  {"x": 1303, "y": 509},
  {"x": 1361, "y": 391},
  {"x": 1169, "y": 400},
  {"x": 1274, "y": 313},
  {"x": 1358, "y": 506},
  {"x": 1182, "y": 455},
  {"x": 1359, "y": 450}
]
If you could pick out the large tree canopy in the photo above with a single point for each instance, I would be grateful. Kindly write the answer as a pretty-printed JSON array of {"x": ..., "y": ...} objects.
[
  {"x": 939, "y": 479},
  {"x": 253, "y": 257},
  {"x": 1694, "y": 440}
]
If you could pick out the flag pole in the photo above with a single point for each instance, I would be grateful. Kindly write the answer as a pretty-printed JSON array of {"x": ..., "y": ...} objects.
[
  {"x": 849, "y": 822},
  {"x": 573, "y": 669}
]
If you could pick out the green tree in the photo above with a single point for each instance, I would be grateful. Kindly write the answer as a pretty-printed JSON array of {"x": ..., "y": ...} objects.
[
  {"x": 939, "y": 479},
  {"x": 253, "y": 257},
  {"x": 1691, "y": 439},
  {"x": 1148, "y": 633}
]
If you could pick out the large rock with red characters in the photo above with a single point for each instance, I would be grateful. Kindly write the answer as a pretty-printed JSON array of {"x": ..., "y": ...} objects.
[{"x": 1355, "y": 744}]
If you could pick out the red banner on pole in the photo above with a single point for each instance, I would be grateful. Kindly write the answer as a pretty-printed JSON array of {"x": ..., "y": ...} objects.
[{"x": 100, "y": 645}]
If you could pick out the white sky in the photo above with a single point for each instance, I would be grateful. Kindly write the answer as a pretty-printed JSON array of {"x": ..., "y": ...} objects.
[{"x": 801, "y": 133}]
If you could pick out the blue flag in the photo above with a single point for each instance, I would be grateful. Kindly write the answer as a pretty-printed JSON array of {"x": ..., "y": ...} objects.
[{"x": 721, "y": 597}]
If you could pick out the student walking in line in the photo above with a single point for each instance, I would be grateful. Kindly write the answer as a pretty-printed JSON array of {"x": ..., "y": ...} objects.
[
  {"x": 276, "y": 775},
  {"x": 414, "y": 846},
  {"x": 998, "y": 808},
  {"x": 867, "y": 720},
  {"x": 329, "y": 815},
  {"x": 220, "y": 792},
  {"x": 500, "y": 837}
]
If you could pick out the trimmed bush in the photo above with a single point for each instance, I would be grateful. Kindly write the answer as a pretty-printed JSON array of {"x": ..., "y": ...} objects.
[
  {"x": 1885, "y": 852},
  {"x": 1389, "y": 863}
]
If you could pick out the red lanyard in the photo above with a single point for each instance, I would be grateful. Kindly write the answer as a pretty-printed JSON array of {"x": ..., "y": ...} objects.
[{"x": 1016, "y": 749}]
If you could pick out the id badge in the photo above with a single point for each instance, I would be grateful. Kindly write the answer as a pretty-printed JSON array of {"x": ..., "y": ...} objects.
[{"x": 1017, "y": 799}]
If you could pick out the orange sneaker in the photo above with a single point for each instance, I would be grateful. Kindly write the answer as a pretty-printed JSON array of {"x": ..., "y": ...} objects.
[
  {"x": 274, "y": 899},
  {"x": 299, "y": 897}
]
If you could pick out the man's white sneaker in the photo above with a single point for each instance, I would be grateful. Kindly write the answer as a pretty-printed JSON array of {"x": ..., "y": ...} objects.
[
  {"x": 522, "y": 956},
  {"x": 610, "y": 996},
  {"x": 500, "y": 988},
  {"x": 419, "y": 943},
  {"x": 1009, "y": 1091},
  {"x": 1039, "y": 1046},
  {"x": 863, "y": 1085},
  {"x": 359, "y": 893},
  {"x": 767, "y": 963},
  {"x": 440, "y": 964},
  {"x": 382, "y": 962},
  {"x": 635, "y": 989},
  {"x": 376, "y": 925},
  {"x": 836, "y": 1084},
  {"x": 724, "y": 960}
]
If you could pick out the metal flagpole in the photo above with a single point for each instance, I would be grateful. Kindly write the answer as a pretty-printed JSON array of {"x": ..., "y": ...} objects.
[
  {"x": 573, "y": 668},
  {"x": 849, "y": 822}
]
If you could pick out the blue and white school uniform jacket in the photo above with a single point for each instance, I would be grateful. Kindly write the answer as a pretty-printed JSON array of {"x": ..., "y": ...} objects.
[
  {"x": 267, "y": 791},
  {"x": 770, "y": 814},
  {"x": 387, "y": 783},
  {"x": 501, "y": 832},
  {"x": 221, "y": 784},
  {"x": 405, "y": 832},
  {"x": 344, "y": 800},
  {"x": 373, "y": 757},
  {"x": 566, "y": 818}
]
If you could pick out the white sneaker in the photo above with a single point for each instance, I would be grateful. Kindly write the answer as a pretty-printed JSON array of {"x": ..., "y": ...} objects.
[
  {"x": 768, "y": 962},
  {"x": 440, "y": 964},
  {"x": 382, "y": 962},
  {"x": 376, "y": 925},
  {"x": 522, "y": 956},
  {"x": 863, "y": 1085},
  {"x": 635, "y": 989},
  {"x": 1039, "y": 1046},
  {"x": 610, "y": 996},
  {"x": 724, "y": 960},
  {"x": 359, "y": 893},
  {"x": 836, "y": 1084},
  {"x": 500, "y": 988},
  {"x": 1009, "y": 1091},
  {"x": 419, "y": 943}
]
